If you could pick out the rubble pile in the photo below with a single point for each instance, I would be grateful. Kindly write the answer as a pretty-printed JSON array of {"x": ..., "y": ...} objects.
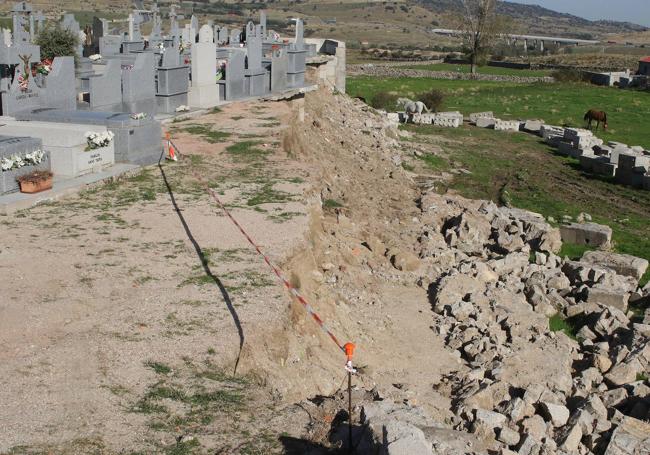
[{"x": 550, "y": 355}]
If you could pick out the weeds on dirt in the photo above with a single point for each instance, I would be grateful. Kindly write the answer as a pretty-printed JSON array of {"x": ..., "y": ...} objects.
[
  {"x": 268, "y": 195},
  {"x": 558, "y": 324},
  {"x": 191, "y": 398},
  {"x": 246, "y": 150},
  {"x": 207, "y": 133},
  {"x": 158, "y": 367},
  {"x": 329, "y": 204}
]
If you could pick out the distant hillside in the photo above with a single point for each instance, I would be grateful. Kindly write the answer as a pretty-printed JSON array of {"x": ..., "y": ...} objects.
[
  {"x": 389, "y": 23},
  {"x": 534, "y": 19}
]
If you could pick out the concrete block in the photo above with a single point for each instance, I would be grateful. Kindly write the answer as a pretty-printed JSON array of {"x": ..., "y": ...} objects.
[
  {"x": 604, "y": 168},
  {"x": 592, "y": 234},
  {"x": 507, "y": 125},
  {"x": 477, "y": 115},
  {"x": 485, "y": 122},
  {"x": 533, "y": 126},
  {"x": 623, "y": 264}
]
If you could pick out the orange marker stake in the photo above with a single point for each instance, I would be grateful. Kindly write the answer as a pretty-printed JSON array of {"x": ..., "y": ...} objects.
[{"x": 349, "y": 352}]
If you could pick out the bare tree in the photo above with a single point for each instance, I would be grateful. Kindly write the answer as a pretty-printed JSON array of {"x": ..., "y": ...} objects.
[{"x": 481, "y": 27}]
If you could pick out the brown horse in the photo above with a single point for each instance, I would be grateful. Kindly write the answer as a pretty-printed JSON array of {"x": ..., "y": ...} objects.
[{"x": 598, "y": 116}]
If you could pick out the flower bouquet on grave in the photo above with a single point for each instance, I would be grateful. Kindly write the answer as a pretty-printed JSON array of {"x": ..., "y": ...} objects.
[
  {"x": 44, "y": 68},
  {"x": 16, "y": 161},
  {"x": 35, "y": 182},
  {"x": 182, "y": 108},
  {"x": 139, "y": 116},
  {"x": 96, "y": 140},
  {"x": 95, "y": 57}
]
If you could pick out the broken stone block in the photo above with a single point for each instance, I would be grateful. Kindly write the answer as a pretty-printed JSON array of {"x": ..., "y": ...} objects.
[
  {"x": 570, "y": 438},
  {"x": 557, "y": 414},
  {"x": 611, "y": 297},
  {"x": 406, "y": 439},
  {"x": 623, "y": 264},
  {"x": 592, "y": 234},
  {"x": 485, "y": 122},
  {"x": 507, "y": 436},
  {"x": 406, "y": 261},
  {"x": 624, "y": 373},
  {"x": 534, "y": 426},
  {"x": 529, "y": 446},
  {"x": 631, "y": 437},
  {"x": 614, "y": 397},
  {"x": 489, "y": 419}
]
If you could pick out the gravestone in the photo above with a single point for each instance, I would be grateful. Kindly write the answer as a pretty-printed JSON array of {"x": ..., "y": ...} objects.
[
  {"x": 204, "y": 91},
  {"x": 138, "y": 85},
  {"x": 235, "y": 37},
  {"x": 110, "y": 45},
  {"x": 194, "y": 28},
  {"x": 222, "y": 36},
  {"x": 263, "y": 24},
  {"x": 175, "y": 32},
  {"x": 60, "y": 91},
  {"x": 297, "y": 55},
  {"x": 279, "y": 67},
  {"x": 23, "y": 93},
  {"x": 235, "y": 86},
  {"x": 137, "y": 141},
  {"x": 255, "y": 74},
  {"x": 155, "y": 37},
  {"x": 105, "y": 90},
  {"x": 11, "y": 146},
  {"x": 66, "y": 146},
  {"x": 70, "y": 24},
  {"x": 23, "y": 25},
  {"x": 172, "y": 82}
]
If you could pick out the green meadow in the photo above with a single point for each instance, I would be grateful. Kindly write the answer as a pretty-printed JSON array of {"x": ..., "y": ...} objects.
[{"x": 558, "y": 103}]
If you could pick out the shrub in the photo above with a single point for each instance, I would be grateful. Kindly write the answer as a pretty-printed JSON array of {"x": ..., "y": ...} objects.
[
  {"x": 384, "y": 100},
  {"x": 57, "y": 42},
  {"x": 568, "y": 75},
  {"x": 433, "y": 99}
]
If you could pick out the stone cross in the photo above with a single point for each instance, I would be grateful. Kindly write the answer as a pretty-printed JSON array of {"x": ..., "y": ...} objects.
[
  {"x": 23, "y": 24},
  {"x": 135, "y": 19},
  {"x": 39, "y": 17},
  {"x": 250, "y": 29},
  {"x": 194, "y": 27},
  {"x": 300, "y": 30},
  {"x": 263, "y": 23}
]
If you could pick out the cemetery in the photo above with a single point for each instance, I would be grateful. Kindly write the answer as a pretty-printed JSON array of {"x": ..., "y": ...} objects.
[{"x": 123, "y": 86}]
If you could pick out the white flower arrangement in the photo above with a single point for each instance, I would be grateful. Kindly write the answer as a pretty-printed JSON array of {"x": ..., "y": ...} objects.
[
  {"x": 16, "y": 161},
  {"x": 95, "y": 57},
  {"x": 182, "y": 108},
  {"x": 98, "y": 140},
  {"x": 139, "y": 116}
]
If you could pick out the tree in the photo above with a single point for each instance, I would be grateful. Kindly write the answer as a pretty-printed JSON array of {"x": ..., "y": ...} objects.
[
  {"x": 481, "y": 27},
  {"x": 57, "y": 42}
]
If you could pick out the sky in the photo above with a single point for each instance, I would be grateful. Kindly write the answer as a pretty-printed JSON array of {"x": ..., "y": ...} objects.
[{"x": 637, "y": 11}]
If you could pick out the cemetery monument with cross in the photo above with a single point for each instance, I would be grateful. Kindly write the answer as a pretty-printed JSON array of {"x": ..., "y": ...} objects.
[{"x": 121, "y": 83}]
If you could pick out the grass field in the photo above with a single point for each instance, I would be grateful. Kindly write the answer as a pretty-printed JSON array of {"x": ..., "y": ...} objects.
[
  {"x": 495, "y": 70},
  {"x": 560, "y": 104},
  {"x": 537, "y": 179}
]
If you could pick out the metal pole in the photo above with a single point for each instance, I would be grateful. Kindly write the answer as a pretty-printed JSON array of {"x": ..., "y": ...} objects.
[{"x": 350, "y": 410}]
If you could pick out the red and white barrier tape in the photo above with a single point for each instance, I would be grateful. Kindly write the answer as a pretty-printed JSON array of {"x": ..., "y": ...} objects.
[{"x": 278, "y": 273}]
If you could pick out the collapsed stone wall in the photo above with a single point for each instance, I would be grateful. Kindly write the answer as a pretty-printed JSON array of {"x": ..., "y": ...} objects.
[{"x": 395, "y": 72}]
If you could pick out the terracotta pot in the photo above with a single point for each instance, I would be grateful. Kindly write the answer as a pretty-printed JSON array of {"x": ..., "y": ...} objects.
[{"x": 36, "y": 187}]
